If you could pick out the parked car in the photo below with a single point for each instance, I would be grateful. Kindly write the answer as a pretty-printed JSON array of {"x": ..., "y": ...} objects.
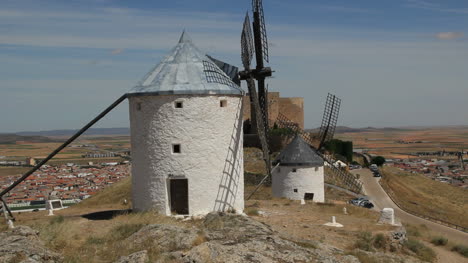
[
  {"x": 377, "y": 174},
  {"x": 373, "y": 167},
  {"x": 362, "y": 201},
  {"x": 354, "y": 166}
]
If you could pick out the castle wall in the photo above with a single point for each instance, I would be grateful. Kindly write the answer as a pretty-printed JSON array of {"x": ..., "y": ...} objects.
[
  {"x": 292, "y": 108},
  {"x": 211, "y": 155}
]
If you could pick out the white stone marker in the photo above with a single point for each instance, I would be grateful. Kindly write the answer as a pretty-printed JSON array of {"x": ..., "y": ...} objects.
[
  {"x": 303, "y": 202},
  {"x": 10, "y": 224},
  {"x": 51, "y": 212},
  {"x": 345, "y": 211},
  {"x": 333, "y": 223},
  {"x": 387, "y": 216}
]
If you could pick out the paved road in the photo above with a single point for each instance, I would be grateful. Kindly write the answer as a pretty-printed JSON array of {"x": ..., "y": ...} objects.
[{"x": 380, "y": 199}]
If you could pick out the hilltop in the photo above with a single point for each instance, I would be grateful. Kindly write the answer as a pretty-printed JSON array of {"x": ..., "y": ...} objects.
[{"x": 102, "y": 229}]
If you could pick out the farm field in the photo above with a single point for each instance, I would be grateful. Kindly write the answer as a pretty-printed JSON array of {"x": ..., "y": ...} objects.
[
  {"x": 398, "y": 143},
  {"x": 417, "y": 193},
  {"x": 20, "y": 150}
]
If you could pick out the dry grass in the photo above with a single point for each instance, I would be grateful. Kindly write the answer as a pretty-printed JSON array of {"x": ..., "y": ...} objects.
[
  {"x": 6, "y": 171},
  {"x": 305, "y": 222},
  {"x": 253, "y": 161},
  {"x": 110, "y": 196},
  {"x": 82, "y": 240},
  {"x": 424, "y": 196}
]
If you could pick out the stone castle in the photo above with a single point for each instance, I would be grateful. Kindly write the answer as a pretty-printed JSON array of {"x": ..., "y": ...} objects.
[{"x": 292, "y": 108}]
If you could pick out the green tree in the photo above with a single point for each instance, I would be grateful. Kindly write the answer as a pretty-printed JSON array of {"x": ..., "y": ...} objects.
[{"x": 378, "y": 160}]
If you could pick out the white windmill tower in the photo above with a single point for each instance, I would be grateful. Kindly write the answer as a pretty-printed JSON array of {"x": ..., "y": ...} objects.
[
  {"x": 299, "y": 174},
  {"x": 186, "y": 136}
]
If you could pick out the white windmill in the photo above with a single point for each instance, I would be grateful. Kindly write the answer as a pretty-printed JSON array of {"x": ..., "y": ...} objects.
[
  {"x": 300, "y": 174},
  {"x": 186, "y": 136}
]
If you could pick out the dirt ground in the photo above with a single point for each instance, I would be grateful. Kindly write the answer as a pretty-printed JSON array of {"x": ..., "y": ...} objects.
[{"x": 292, "y": 219}]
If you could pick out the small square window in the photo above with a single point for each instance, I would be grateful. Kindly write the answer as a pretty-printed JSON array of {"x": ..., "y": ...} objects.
[
  {"x": 138, "y": 106},
  {"x": 223, "y": 103},
  {"x": 295, "y": 190},
  {"x": 178, "y": 104},
  {"x": 176, "y": 148},
  {"x": 294, "y": 170}
]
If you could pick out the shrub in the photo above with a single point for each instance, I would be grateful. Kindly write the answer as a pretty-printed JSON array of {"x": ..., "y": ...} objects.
[
  {"x": 252, "y": 211},
  {"x": 364, "y": 258},
  {"x": 95, "y": 241},
  {"x": 200, "y": 239},
  {"x": 380, "y": 241},
  {"x": 462, "y": 250},
  {"x": 439, "y": 241},
  {"x": 123, "y": 231},
  {"x": 57, "y": 220},
  {"x": 364, "y": 241},
  {"x": 305, "y": 244},
  {"x": 412, "y": 231},
  {"x": 421, "y": 251}
]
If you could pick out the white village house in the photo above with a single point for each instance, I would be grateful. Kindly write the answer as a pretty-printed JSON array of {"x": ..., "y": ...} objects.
[
  {"x": 186, "y": 136},
  {"x": 300, "y": 173}
]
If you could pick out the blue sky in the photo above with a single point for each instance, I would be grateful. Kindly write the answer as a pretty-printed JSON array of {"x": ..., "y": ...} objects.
[{"x": 393, "y": 63}]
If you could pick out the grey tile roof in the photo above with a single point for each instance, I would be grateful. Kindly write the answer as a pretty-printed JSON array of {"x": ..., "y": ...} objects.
[
  {"x": 298, "y": 153},
  {"x": 186, "y": 70}
]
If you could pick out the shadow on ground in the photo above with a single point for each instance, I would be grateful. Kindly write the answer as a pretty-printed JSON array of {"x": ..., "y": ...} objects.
[{"x": 106, "y": 215}]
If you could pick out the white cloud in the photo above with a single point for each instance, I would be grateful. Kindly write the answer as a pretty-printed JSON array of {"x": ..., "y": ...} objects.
[
  {"x": 449, "y": 35},
  {"x": 423, "y": 4},
  {"x": 117, "y": 51}
]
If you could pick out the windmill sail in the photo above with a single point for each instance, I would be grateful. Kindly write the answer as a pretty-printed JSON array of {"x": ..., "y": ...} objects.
[
  {"x": 230, "y": 70},
  {"x": 329, "y": 120},
  {"x": 257, "y": 7}
]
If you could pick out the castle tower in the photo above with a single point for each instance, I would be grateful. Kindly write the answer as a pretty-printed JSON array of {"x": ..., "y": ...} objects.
[
  {"x": 186, "y": 136},
  {"x": 300, "y": 173}
]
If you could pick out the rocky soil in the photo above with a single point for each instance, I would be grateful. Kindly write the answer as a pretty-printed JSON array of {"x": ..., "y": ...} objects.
[
  {"x": 233, "y": 238},
  {"x": 22, "y": 244},
  {"x": 219, "y": 237}
]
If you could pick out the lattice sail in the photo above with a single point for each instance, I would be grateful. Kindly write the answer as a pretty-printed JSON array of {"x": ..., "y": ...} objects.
[
  {"x": 214, "y": 74},
  {"x": 247, "y": 46},
  {"x": 330, "y": 118},
  {"x": 257, "y": 6}
]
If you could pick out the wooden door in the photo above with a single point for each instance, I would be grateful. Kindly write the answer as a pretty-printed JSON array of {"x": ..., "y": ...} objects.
[{"x": 179, "y": 196}]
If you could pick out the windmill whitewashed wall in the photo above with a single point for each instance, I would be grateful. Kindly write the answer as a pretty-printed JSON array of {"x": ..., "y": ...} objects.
[
  {"x": 300, "y": 174},
  {"x": 186, "y": 132}
]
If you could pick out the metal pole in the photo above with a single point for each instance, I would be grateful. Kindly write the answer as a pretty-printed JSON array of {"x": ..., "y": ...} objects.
[
  {"x": 261, "y": 182},
  {"x": 50, "y": 156}
]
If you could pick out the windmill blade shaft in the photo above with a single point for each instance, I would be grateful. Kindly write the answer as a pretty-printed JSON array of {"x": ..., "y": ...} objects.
[
  {"x": 260, "y": 123},
  {"x": 261, "y": 182},
  {"x": 263, "y": 102},
  {"x": 65, "y": 144}
]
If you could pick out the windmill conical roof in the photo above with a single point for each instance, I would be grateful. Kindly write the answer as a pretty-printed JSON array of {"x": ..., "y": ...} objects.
[
  {"x": 298, "y": 153},
  {"x": 186, "y": 70}
]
